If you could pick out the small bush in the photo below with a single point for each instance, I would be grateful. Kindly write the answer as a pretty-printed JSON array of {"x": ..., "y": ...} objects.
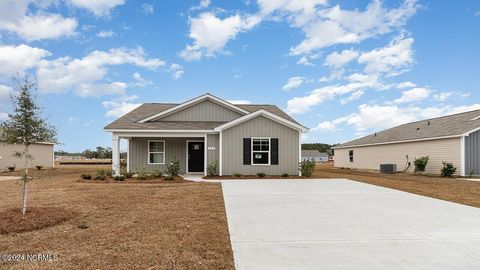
[
  {"x": 285, "y": 175},
  {"x": 306, "y": 167},
  {"x": 100, "y": 177},
  {"x": 39, "y": 167},
  {"x": 156, "y": 173},
  {"x": 421, "y": 163},
  {"x": 125, "y": 173},
  {"x": 212, "y": 168},
  {"x": 141, "y": 173},
  {"x": 119, "y": 178},
  {"x": 173, "y": 169},
  {"x": 102, "y": 172},
  {"x": 448, "y": 169},
  {"x": 237, "y": 175},
  {"x": 11, "y": 168},
  {"x": 168, "y": 178},
  {"x": 86, "y": 176},
  {"x": 261, "y": 174}
]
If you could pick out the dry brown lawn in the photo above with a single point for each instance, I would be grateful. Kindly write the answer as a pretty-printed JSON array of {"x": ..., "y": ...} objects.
[
  {"x": 129, "y": 226},
  {"x": 449, "y": 189}
]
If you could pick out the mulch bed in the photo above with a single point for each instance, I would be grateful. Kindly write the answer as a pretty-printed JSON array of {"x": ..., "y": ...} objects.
[
  {"x": 253, "y": 177},
  {"x": 177, "y": 179},
  {"x": 12, "y": 220}
]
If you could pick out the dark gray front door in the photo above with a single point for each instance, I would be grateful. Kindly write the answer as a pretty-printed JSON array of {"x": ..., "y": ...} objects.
[{"x": 196, "y": 156}]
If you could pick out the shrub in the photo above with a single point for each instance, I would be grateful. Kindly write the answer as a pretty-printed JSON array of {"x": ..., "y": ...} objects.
[
  {"x": 141, "y": 173},
  {"x": 11, "y": 168},
  {"x": 86, "y": 176},
  {"x": 421, "y": 163},
  {"x": 448, "y": 169},
  {"x": 156, "y": 173},
  {"x": 169, "y": 178},
  {"x": 125, "y": 173},
  {"x": 237, "y": 174},
  {"x": 173, "y": 169},
  {"x": 306, "y": 167},
  {"x": 119, "y": 178},
  {"x": 212, "y": 168},
  {"x": 261, "y": 174},
  {"x": 102, "y": 172},
  {"x": 285, "y": 175},
  {"x": 100, "y": 177},
  {"x": 39, "y": 167}
]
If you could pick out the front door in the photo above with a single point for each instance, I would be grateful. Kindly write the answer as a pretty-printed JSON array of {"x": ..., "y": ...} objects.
[{"x": 195, "y": 157}]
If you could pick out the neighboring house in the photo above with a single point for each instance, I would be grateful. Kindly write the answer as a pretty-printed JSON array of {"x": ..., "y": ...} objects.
[
  {"x": 453, "y": 138},
  {"x": 245, "y": 139},
  {"x": 42, "y": 154},
  {"x": 316, "y": 155}
]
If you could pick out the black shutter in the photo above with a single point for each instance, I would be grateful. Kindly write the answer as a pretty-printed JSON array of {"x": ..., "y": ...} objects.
[
  {"x": 247, "y": 151},
  {"x": 274, "y": 151}
]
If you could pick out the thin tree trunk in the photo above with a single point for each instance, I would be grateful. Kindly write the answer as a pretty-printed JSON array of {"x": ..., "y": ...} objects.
[{"x": 25, "y": 182}]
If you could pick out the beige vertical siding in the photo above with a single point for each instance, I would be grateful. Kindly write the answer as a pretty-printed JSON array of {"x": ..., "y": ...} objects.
[
  {"x": 472, "y": 154},
  {"x": 174, "y": 148},
  {"x": 232, "y": 150},
  {"x": 212, "y": 155},
  {"x": 203, "y": 111},
  {"x": 370, "y": 157},
  {"x": 42, "y": 155}
]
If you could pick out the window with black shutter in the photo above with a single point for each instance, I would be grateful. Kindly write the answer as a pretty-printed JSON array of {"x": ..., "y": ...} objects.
[
  {"x": 247, "y": 144},
  {"x": 274, "y": 151}
]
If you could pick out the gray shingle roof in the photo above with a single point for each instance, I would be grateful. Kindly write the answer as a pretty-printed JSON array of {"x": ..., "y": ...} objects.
[
  {"x": 445, "y": 126},
  {"x": 130, "y": 120},
  {"x": 313, "y": 153}
]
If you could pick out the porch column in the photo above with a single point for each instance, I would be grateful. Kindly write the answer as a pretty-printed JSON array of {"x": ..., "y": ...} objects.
[
  {"x": 128, "y": 154},
  {"x": 116, "y": 155}
]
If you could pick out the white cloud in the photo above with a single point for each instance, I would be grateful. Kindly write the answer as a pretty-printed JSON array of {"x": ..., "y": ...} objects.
[
  {"x": 119, "y": 107},
  {"x": 176, "y": 70},
  {"x": 239, "y": 101},
  {"x": 325, "y": 126},
  {"x": 97, "y": 7},
  {"x": 105, "y": 34},
  {"x": 306, "y": 59},
  {"x": 442, "y": 96},
  {"x": 338, "y": 60},
  {"x": 85, "y": 76},
  {"x": 413, "y": 95},
  {"x": 19, "y": 58},
  {"x": 391, "y": 60},
  {"x": 3, "y": 116},
  {"x": 297, "y": 12},
  {"x": 299, "y": 105},
  {"x": 140, "y": 81},
  {"x": 337, "y": 26},
  {"x": 293, "y": 83},
  {"x": 210, "y": 34},
  {"x": 148, "y": 9},
  {"x": 5, "y": 92},
  {"x": 405, "y": 85},
  {"x": 72, "y": 119},
  {"x": 202, "y": 5},
  {"x": 34, "y": 26},
  {"x": 354, "y": 96}
]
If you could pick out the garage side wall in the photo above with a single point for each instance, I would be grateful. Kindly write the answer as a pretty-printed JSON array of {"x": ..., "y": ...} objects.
[
  {"x": 370, "y": 157},
  {"x": 42, "y": 156},
  {"x": 472, "y": 154}
]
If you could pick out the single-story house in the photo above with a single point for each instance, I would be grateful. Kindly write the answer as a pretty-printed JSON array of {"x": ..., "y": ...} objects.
[
  {"x": 453, "y": 138},
  {"x": 246, "y": 139},
  {"x": 42, "y": 154},
  {"x": 316, "y": 155}
]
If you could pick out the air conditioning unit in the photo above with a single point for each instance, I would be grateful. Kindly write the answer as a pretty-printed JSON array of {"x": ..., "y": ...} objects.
[{"x": 388, "y": 168}]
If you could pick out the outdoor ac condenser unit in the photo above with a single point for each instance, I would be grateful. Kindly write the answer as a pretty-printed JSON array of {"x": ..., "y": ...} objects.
[{"x": 388, "y": 168}]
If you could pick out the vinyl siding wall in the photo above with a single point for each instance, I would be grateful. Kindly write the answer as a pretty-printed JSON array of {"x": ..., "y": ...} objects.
[
  {"x": 370, "y": 157},
  {"x": 232, "y": 148},
  {"x": 42, "y": 155},
  {"x": 212, "y": 155},
  {"x": 472, "y": 154},
  {"x": 203, "y": 111},
  {"x": 174, "y": 148}
]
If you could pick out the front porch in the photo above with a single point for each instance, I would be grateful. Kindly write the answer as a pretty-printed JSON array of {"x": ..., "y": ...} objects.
[{"x": 155, "y": 151}]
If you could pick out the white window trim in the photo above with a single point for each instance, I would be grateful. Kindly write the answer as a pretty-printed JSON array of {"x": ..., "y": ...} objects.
[
  {"x": 262, "y": 151},
  {"x": 148, "y": 150}
]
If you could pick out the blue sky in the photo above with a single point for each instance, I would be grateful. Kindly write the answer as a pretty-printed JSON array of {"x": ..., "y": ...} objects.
[{"x": 342, "y": 68}]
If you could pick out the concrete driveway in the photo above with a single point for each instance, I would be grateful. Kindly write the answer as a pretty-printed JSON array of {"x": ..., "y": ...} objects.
[{"x": 343, "y": 224}]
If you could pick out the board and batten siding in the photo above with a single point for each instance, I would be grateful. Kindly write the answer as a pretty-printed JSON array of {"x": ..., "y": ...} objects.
[
  {"x": 175, "y": 148},
  {"x": 42, "y": 155},
  {"x": 370, "y": 157},
  {"x": 212, "y": 153},
  {"x": 472, "y": 154},
  {"x": 232, "y": 147},
  {"x": 203, "y": 111}
]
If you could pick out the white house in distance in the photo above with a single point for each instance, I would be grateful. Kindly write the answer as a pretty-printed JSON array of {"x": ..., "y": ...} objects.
[
  {"x": 314, "y": 155},
  {"x": 453, "y": 138}
]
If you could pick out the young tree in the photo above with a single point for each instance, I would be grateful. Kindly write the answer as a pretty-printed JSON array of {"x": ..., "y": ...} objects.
[{"x": 25, "y": 125}]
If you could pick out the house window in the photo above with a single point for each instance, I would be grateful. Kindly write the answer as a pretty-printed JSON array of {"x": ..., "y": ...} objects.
[
  {"x": 156, "y": 152},
  {"x": 260, "y": 151},
  {"x": 350, "y": 155}
]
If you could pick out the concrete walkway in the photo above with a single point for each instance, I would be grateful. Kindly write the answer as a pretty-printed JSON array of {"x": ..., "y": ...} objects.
[
  {"x": 9, "y": 178},
  {"x": 343, "y": 224}
]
